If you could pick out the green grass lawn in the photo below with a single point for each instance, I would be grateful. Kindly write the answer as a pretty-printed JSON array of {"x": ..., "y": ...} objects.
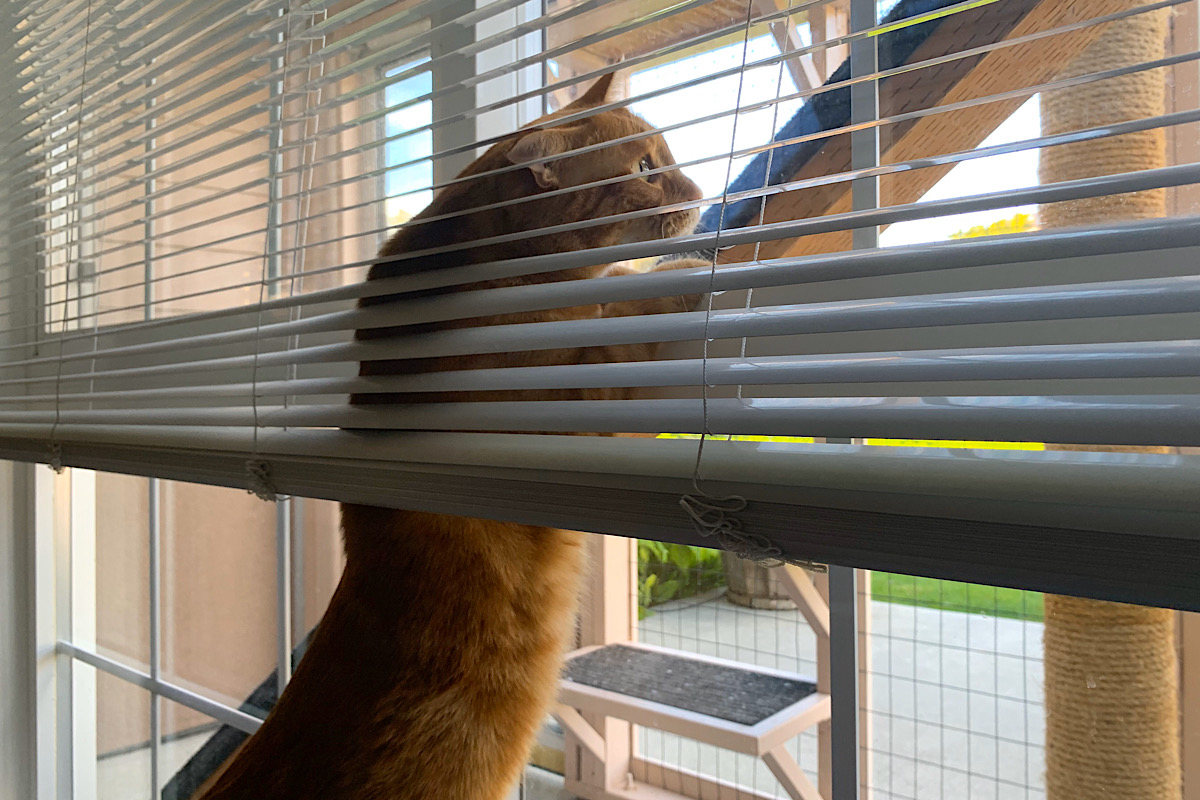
[{"x": 954, "y": 596}]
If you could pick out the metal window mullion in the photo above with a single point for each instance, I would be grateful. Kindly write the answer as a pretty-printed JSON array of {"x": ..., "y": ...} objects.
[
  {"x": 274, "y": 232},
  {"x": 843, "y": 681},
  {"x": 153, "y": 487},
  {"x": 296, "y": 531},
  {"x": 273, "y": 271},
  {"x": 23, "y": 669},
  {"x": 283, "y": 590},
  {"x": 154, "y": 505},
  {"x": 177, "y": 694},
  {"x": 450, "y": 69},
  {"x": 48, "y": 773},
  {"x": 843, "y": 581},
  {"x": 63, "y": 742},
  {"x": 82, "y": 613},
  {"x": 864, "y": 110}
]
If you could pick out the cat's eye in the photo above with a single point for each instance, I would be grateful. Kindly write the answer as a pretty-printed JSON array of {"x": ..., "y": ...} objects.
[{"x": 645, "y": 165}]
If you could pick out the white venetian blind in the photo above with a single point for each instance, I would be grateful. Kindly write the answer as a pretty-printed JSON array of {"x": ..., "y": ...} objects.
[{"x": 195, "y": 191}]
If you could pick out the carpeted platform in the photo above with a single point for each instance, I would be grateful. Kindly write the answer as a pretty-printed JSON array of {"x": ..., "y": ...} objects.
[{"x": 729, "y": 693}]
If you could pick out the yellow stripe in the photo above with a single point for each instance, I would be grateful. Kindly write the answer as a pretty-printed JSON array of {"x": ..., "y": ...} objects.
[
  {"x": 929, "y": 16},
  {"x": 940, "y": 443},
  {"x": 722, "y": 437},
  {"x": 954, "y": 443}
]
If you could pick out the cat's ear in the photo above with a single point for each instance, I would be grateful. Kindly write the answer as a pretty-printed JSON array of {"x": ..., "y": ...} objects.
[
  {"x": 598, "y": 93},
  {"x": 608, "y": 89},
  {"x": 534, "y": 147}
]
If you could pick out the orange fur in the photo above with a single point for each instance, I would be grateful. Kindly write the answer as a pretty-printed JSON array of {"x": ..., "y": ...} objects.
[{"x": 436, "y": 662}]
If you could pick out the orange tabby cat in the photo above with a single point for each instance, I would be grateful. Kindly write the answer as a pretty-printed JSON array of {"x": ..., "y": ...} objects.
[{"x": 439, "y": 655}]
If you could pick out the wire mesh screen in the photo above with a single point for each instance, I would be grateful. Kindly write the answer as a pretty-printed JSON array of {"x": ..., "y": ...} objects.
[
  {"x": 952, "y": 676},
  {"x": 956, "y": 707},
  {"x": 715, "y": 604}
]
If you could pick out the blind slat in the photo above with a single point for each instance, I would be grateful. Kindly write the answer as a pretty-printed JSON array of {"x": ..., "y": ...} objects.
[
  {"x": 1085, "y": 419},
  {"x": 1048, "y": 362},
  {"x": 1064, "y": 247},
  {"x": 1178, "y": 295},
  {"x": 1143, "y": 180}
]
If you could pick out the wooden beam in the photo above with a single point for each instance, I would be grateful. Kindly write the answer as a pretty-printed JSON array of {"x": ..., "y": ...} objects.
[
  {"x": 589, "y": 737},
  {"x": 657, "y": 780},
  {"x": 824, "y": 729},
  {"x": 803, "y": 592},
  {"x": 1183, "y": 141},
  {"x": 675, "y": 28},
  {"x": 1002, "y": 70},
  {"x": 802, "y": 68},
  {"x": 790, "y": 776},
  {"x": 607, "y": 614},
  {"x": 828, "y": 21}
]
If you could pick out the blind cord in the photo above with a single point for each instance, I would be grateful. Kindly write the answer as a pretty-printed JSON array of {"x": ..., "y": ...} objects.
[
  {"x": 762, "y": 201},
  {"x": 258, "y": 469},
  {"x": 307, "y": 173},
  {"x": 717, "y": 516}
]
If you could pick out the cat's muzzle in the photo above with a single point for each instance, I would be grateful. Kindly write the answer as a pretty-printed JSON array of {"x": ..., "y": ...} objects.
[{"x": 679, "y": 223}]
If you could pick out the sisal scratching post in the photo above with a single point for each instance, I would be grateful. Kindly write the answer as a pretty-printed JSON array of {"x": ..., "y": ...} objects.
[
  {"x": 1112, "y": 728},
  {"x": 1111, "y": 701},
  {"x": 1140, "y": 95}
]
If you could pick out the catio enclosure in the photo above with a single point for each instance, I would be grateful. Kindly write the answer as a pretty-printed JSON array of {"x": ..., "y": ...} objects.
[{"x": 948, "y": 372}]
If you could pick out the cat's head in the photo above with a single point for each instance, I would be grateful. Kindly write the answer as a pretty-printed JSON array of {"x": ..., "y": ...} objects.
[{"x": 641, "y": 155}]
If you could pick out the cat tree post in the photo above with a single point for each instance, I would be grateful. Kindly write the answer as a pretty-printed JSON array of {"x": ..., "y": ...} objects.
[{"x": 1112, "y": 726}]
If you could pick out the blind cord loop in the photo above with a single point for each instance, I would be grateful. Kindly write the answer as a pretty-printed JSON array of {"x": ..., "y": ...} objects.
[
  {"x": 258, "y": 475},
  {"x": 55, "y": 462},
  {"x": 716, "y": 516}
]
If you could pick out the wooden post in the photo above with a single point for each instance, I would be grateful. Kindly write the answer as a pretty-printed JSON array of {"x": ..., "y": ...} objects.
[
  {"x": 828, "y": 21},
  {"x": 1183, "y": 83},
  {"x": 802, "y": 68},
  {"x": 811, "y": 596},
  {"x": 608, "y": 614}
]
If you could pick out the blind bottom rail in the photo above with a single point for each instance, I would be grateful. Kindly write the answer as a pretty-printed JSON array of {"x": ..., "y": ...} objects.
[{"x": 1111, "y": 526}]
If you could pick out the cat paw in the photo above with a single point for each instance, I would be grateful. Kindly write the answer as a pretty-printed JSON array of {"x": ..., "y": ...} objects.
[{"x": 680, "y": 263}]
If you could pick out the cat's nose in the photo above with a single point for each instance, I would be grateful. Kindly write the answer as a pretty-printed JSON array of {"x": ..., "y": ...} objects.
[{"x": 691, "y": 192}]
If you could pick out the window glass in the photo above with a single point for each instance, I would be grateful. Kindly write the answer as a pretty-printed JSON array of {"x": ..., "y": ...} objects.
[
  {"x": 709, "y": 141},
  {"x": 411, "y": 173}
]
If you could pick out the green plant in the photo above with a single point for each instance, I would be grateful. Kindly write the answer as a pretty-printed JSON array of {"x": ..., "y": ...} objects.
[
  {"x": 672, "y": 571},
  {"x": 954, "y": 596},
  {"x": 1017, "y": 223}
]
